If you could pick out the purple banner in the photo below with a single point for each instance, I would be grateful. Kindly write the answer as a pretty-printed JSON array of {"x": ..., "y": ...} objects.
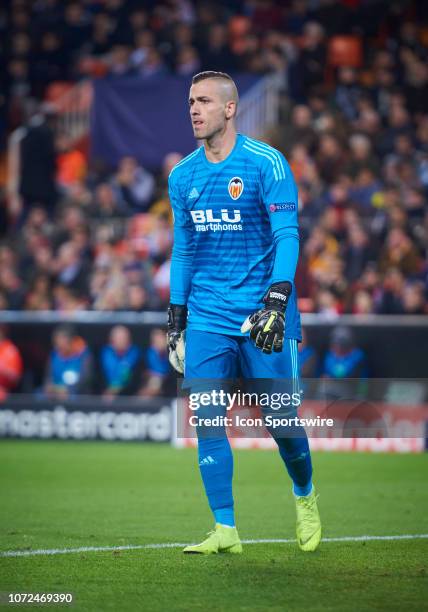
[{"x": 145, "y": 117}]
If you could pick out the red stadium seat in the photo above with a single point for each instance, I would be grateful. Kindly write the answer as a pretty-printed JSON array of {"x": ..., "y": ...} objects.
[
  {"x": 345, "y": 51},
  {"x": 238, "y": 26}
]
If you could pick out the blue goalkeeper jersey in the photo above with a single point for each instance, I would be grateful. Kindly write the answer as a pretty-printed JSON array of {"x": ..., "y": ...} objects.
[{"x": 235, "y": 233}]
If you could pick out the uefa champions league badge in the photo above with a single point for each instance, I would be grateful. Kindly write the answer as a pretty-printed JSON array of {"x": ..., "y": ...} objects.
[
  {"x": 235, "y": 187},
  {"x": 285, "y": 206}
]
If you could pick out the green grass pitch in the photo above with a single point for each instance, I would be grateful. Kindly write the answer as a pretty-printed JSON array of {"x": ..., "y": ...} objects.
[{"x": 66, "y": 494}]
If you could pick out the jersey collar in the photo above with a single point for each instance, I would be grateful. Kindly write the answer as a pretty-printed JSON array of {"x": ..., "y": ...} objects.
[{"x": 216, "y": 165}]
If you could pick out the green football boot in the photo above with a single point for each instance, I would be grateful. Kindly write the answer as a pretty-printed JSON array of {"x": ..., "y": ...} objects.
[
  {"x": 308, "y": 526},
  {"x": 221, "y": 540}
]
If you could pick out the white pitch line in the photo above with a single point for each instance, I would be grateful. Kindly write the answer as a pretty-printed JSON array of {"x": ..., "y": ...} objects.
[{"x": 84, "y": 549}]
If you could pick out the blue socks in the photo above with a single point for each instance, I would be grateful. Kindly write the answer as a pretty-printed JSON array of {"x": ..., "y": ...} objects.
[
  {"x": 302, "y": 491},
  {"x": 297, "y": 459},
  {"x": 216, "y": 467},
  {"x": 225, "y": 516}
]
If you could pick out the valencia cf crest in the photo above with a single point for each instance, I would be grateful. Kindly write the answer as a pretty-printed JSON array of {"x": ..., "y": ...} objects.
[{"x": 235, "y": 187}]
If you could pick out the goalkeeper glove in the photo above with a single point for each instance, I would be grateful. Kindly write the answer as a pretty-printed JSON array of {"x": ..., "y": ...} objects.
[
  {"x": 177, "y": 320},
  {"x": 267, "y": 326}
]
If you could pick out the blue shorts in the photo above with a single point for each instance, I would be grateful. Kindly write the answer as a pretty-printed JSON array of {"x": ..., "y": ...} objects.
[
  {"x": 218, "y": 356},
  {"x": 211, "y": 355}
]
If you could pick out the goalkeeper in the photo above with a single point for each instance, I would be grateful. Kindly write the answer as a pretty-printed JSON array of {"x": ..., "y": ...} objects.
[{"x": 233, "y": 308}]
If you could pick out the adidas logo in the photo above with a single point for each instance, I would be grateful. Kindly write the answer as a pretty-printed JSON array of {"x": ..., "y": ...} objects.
[
  {"x": 193, "y": 194},
  {"x": 207, "y": 461}
]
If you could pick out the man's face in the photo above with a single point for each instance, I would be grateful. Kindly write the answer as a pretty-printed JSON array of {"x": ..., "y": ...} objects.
[
  {"x": 62, "y": 343},
  {"x": 120, "y": 338},
  {"x": 209, "y": 108}
]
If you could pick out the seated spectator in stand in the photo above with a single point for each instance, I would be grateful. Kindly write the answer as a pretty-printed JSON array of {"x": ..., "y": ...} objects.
[
  {"x": 348, "y": 92},
  {"x": 154, "y": 64},
  {"x": 137, "y": 299},
  {"x": 39, "y": 296},
  {"x": 187, "y": 62},
  {"x": 343, "y": 359},
  {"x": 71, "y": 267},
  {"x": 157, "y": 365},
  {"x": 11, "y": 366},
  {"x": 70, "y": 365},
  {"x": 357, "y": 253},
  {"x": 105, "y": 205},
  {"x": 414, "y": 299},
  {"x": 161, "y": 205},
  {"x": 362, "y": 303},
  {"x": 356, "y": 139},
  {"x": 12, "y": 287},
  {"x": 68, "y": 300},
  {"x": 120, "y": 361},
  {"x": 119, "y": 61},
  {"x": 300, "y": 131},
  {"x": 361, "y": 155},
  {"x": 308, "y": 360},
  {"x": 389, "y": 298},
  {"x": 133, "y": 186},
  {"x": 400, "y": 252}
]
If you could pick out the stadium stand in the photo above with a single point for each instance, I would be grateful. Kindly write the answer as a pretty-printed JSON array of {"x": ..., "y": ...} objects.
[{"x": 353, "y": 125}]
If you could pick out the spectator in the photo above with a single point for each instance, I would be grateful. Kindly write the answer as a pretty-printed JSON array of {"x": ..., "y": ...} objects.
[
  {"x": 399, "y": 252},
  {"x": 50, "y": 62},
  {"x": 356, "y": 138},
  {"x": 154, "y": 64},
  {"x": 157, "y": 365},
  {"x": 105, "y": 205},
  {"x": 358, "y": 252},
  {"x": 11, "y": 366},
  {"x": 389, "y": 299},
  {"x": 330, "y": 158},
  {"x": 348, "y": 92},
  {"x": 363, "y": 303},
  {"x": 188, "y": 62},
  {"x": 38, "y": 166},
  {"x": 71, "y": 268},
  {"x": 313, "y": 56},
  {"x": 138, "y": 300},
  {"x": 145, "y": 40},
  {"x": 300, "y": 130},
  {"x": 70, "y": 365},
  {"x": 133, "y": 186},
  {"x": 308, "y": 360},
  {"x": 361, "y": 155},
  {"x": 217, "y": 54},
  {"x": 120, "y": 61},
  {"x": 39, "y": 295},
  {"x": 343, "y": 359},
  {"x": 71, "y": 218},
  {"x": 414, "y": 299},
  {"x": 120, "y": 361},
  {"x": 12, "y": 287}
]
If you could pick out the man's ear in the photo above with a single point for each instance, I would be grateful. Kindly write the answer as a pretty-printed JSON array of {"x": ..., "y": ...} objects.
[{"x": 230, "y": 109}]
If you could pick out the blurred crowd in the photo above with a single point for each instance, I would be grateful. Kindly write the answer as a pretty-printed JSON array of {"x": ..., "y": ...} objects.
[
  {"x": 356, "y": 137},
  {"x": 72, "y": 366}
]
